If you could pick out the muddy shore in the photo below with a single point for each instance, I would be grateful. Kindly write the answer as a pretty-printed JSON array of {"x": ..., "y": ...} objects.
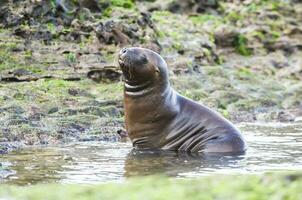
[{"x": 59, "y": 79}]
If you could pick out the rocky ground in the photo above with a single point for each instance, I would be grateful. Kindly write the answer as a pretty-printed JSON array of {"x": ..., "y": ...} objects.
[{"x": 59, "y": 79}]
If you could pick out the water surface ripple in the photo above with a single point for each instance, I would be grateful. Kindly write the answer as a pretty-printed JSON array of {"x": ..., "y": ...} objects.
[{"x": 272, "y": 147}]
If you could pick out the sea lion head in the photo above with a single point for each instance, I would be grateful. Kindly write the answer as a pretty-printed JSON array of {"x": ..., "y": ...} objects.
[{"x": 141, "y": 65}]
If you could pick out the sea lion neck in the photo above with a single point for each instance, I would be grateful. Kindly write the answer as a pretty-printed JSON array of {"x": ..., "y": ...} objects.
[{"x": 138, "y": 89}]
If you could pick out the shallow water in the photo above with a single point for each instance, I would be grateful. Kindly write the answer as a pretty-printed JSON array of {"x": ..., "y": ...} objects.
[{"x": 272, "y": 147}]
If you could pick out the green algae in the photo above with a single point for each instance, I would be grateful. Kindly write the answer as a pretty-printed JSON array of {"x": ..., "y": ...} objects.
[
  {"x": 48, "y": 94},
  {"x": 122, "y": 3},
  {"x": 11, "y": 59},
  {"x": 206, "y": 18},
  {"x": 268, "y": 186},
  {"x": 45, "y": 111},
  {"x": 123, "y": 6},
  {"x": 240, "y": 44}
]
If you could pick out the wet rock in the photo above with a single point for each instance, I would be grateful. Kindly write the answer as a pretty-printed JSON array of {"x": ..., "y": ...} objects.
[
  {"x": 207, "y": 56},
  {"x": 112, "y": 111},
  {"x": 78, "y": 92},
  {"x": 105, "y": 74},
  {"x": 20, "y": 72},
  {"x": 284, "y": 43},
  {"x": 69, "y": 112},
  {"x": 123, "y": 133},
  {"x": 8, "y": 18},
  {"x": 279, "y": 64},
  {"x": 154, "y": 45},
  {"x": 132, "y": 30},
  {"x": 69, "y": 6},
  {"x": 70, "y": 132},
  {"x": 101, "y": 137},
  {"x": 242, "y": 116},
  {"x": 92, "y": 5},
  {"x": 53, "y": 110},
  {"x": 45, "y": 36},
  {"x": 181, "y": 66},
  {"x": 78, "y": 21},
  {"x": 38, "y": 9},
  {"x": 225, "y": 36},
  {"x": 83, "y": 26},
  {"x": 22, "y": 32},
  {"x": 4, "y": 2},
  {"x": 36, "y": 116},
  {"x": 106, "y": 126},
  {"x": 39, "y": 34},
  {"x": 65, "y": 6},
  {"x": 104, "y": 103},
  {"x": 109, "y": 111},
  {"x": 284, "y": 116},
  {"x": 112, "y": 33},
  {"x": 6, "y": 147},
  {"x": 4, "y": 173},
  {"x": 14, "y": 109},
  {"x": 25, "y": 78},
  {"x": 192, "y": 6},
  {"x": 293, "y": 177},
  {"x": 146, "y": 21}
]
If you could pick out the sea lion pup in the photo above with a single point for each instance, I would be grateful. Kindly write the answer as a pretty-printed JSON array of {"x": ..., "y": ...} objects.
[{"x": 157, "y": 117}]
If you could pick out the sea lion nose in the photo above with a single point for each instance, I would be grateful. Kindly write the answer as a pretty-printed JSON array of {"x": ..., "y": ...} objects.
[{"x": 123, "y": 51}]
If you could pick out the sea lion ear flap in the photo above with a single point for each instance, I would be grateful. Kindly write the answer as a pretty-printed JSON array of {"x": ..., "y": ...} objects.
[{"x": 157, "y": 69}]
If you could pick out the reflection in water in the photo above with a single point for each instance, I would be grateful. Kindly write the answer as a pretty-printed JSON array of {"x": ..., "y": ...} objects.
[
  {"x": 140, "y": 163},
  {"x": 271, "y": 147}
]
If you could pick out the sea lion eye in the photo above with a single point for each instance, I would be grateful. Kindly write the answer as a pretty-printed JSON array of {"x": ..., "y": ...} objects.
[{"x": 144, "y": 59}]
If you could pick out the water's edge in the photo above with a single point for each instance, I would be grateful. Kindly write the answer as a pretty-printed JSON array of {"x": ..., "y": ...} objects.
[{"x": 272, "y": 147}]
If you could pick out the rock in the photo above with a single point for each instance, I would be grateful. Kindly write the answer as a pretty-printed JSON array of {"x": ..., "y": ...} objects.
[
  {"x": 123, "y": 133},
  {"x": 112, "y": 33},
  {"x": 14, "y": 109},
  {"x": 36, "y": 116},
  {"x": 53, "y": 110},
  {"x": 106, "y": 74},
  {"x": 65, "y": 6},
  {"x": 283, "y": 43},
  {"x": 8, "y": 18},
  {"x": 23, "y": 78},
  {"x": 242, "y": 116},
  {"x": 92, "y": 5},
  {"x": 70, "y": 132},
  {"x": 5, "y": 173},
  {"x": 20, "y": 72},
  {"x": 6, "y": 147},
  {"x": 279, "y": 64},
  {"x": 225, "y": 36},
  {"x": 100, "y": 137},
  {"x": 69, "y": 6},
  {"x": 207, "y": 56},
  {"x": 293, "y": 177},
  {"x": 189, "y": 6},
  {"x": 180, "y": 66},
  {"x": 146, "y": 20},
  {"x": 106, "y": 126},
  {"x": 78, "y": 92},
  {"x": 284, "y": 116},
  {"x": 109, "y": 111}
]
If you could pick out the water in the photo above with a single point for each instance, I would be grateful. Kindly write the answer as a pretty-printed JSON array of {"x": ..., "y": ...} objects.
[{"x": 272, "y": 147}]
